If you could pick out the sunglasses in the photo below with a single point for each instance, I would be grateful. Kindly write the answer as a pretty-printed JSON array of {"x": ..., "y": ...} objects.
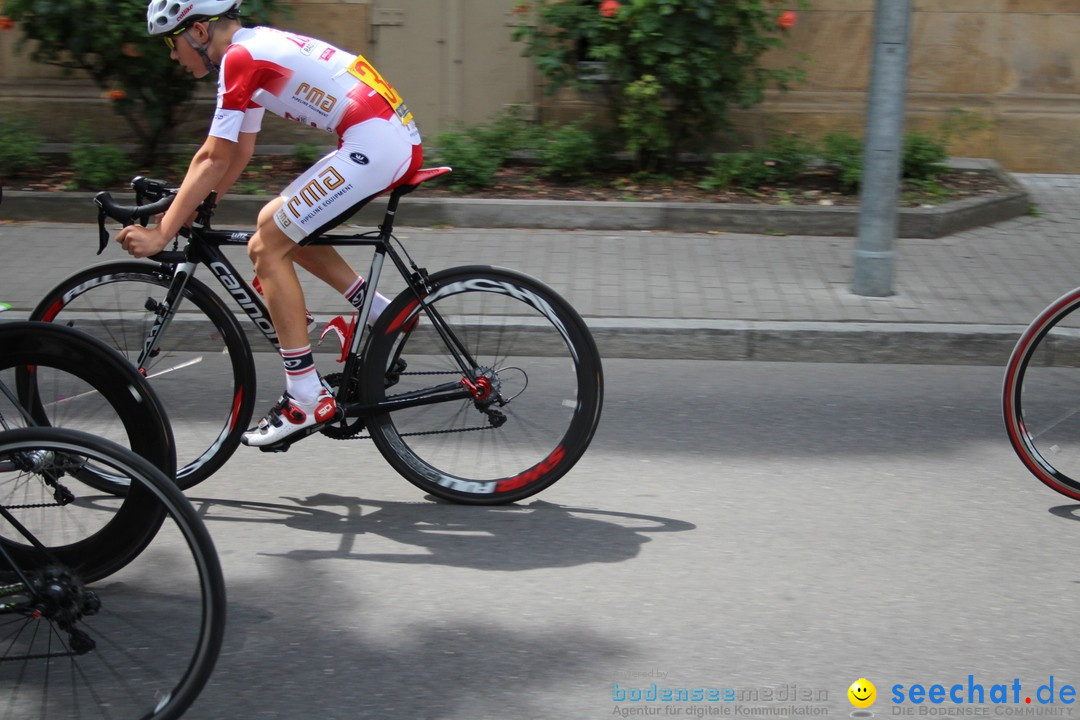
[{"x": 170, "y": 42}]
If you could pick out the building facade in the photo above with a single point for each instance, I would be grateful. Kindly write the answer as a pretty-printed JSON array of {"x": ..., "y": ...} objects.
[{"x": 1011, "y": 64}]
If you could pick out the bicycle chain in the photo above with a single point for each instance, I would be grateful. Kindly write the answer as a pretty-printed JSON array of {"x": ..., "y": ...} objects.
[{"x": 425, "y": 432}]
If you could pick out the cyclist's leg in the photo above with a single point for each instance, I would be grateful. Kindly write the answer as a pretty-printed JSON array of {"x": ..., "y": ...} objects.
[
  {"x": 271, "y": 252},
  {"x": 373, "y": 155},
  {"x": 305, "y": 403},
  {"x": 326, "y": 263}
]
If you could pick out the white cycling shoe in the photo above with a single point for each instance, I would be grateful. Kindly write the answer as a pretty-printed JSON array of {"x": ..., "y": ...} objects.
[{"x": 290, "y": 417}]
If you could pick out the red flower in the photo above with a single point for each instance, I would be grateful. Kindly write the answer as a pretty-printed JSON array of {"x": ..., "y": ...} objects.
[
  {"x": 130, "y": 50},
  {"x": 608, "y": 8},
  {"x": 6, "y": 23},
  {"x": 787, "y": 19},
  {"x": 116, "y": 94}
]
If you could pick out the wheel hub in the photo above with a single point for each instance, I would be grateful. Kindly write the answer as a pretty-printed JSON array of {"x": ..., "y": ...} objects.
[{"x": 63, "y": 597}]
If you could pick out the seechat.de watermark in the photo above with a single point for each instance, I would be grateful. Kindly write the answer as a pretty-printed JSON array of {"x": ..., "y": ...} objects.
[{"x": 973, "y": 698}]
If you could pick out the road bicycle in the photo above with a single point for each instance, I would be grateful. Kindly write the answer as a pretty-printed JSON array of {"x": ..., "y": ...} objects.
[
  {"x": 477, "y": 384},
  {"x": 110, "y": 606},
  {"x": 1041, "y": 396}
]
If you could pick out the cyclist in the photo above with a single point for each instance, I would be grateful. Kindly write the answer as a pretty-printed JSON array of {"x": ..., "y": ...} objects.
[{"x": 314, "y": 83}]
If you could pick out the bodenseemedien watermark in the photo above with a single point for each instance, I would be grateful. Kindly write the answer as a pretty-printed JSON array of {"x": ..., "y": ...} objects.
[
  {"x": 654, "y": 692},
  {"x": 734, "y": 710}
]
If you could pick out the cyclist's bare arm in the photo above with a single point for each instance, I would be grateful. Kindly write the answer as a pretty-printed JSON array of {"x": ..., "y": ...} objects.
[
  {"x": 245, "y": 148},
  {"x": 216, "y": 160}
]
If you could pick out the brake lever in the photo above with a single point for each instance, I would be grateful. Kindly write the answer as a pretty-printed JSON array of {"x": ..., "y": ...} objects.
[{"x": 103, "y": 234}]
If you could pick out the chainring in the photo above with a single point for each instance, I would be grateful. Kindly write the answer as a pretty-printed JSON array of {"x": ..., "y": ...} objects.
[{"x": 345, "y": 428}]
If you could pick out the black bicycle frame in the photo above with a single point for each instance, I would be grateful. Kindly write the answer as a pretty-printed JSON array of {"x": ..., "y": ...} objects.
[{"x": 204, "y": 248}]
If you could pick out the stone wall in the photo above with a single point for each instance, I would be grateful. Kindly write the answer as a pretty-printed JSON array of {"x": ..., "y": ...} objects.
[{"x": 1011, "y": 63}]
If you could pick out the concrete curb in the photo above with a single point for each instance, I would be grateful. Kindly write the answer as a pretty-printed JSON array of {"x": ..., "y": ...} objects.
[
  {"x": 795, "y": 341},
  {"x": 759, "y": 341},
  {"x": 420, "y": 211}
]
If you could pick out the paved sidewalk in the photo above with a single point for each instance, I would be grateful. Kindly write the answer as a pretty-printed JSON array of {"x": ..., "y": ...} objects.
[{"x": 959, "y": 299}]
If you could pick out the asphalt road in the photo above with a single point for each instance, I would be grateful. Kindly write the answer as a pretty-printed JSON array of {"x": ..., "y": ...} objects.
[{"x": 779, "y": 530}]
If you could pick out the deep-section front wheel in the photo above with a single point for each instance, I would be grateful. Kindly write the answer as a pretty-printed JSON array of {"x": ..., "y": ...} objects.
[
  {"x": 527, "y": 401},
  {"x": 58, "y": 376},
  {"x": 1041, "y": 396},
  {"x": 202, "y": 369},
  {"x": 139, "y": 643}
]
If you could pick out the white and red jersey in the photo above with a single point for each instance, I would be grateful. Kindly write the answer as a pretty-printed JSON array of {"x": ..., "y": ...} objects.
[{"x": 301, "y": 79}]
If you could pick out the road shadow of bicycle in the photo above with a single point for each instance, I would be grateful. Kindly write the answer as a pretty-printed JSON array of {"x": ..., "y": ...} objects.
[
  {"x": 515, "y": 537},
  {"x": 1068, "y": 512}
]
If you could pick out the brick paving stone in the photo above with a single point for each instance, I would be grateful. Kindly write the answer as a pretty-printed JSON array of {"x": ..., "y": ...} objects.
[{"x": 996, "y": 275}]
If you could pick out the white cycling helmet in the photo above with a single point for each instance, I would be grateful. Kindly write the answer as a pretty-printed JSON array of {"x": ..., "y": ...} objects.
[{"x": 163, "y": 16}]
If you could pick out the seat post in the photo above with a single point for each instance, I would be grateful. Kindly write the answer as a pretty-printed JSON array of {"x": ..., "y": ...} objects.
[{"x": 387, "y": 227}]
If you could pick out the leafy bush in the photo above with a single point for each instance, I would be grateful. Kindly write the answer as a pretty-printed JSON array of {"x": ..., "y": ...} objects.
[
  {"x": 305, "y": 154},
  {"x": 645, "y": 120},
  {"x": 476, "y": 153},
  {"x": 570, "y": 152},
  {"x": 842, "y": 151},
  {"x": 787, "y": 155},
  {"x": 703, "y": 54},
  {"x": 924, "y": 156},
  {"x": 508, "y": 132},
  {"x": 107, "y": 39},
  {"x": 782, "y": 158},
  {"x": 96, "y": 166},
  {"x": 736, "y": 170},
  {"x": 474, "y": 163},
  {"x": 19, "y": 145}
]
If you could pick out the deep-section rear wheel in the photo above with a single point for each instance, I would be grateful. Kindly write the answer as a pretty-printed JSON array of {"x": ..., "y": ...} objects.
[
  {"x": 1041, "y": 396},
  {"x": 530, "y": 398}
]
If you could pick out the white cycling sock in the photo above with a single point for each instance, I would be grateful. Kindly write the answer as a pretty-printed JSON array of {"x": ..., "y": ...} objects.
[
  {"x": 301, "y": 377},
  {"x": 355, "y": 296}
]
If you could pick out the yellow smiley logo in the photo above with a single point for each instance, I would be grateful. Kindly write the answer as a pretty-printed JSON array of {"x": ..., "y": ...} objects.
[{"x": 862, "y": 693}]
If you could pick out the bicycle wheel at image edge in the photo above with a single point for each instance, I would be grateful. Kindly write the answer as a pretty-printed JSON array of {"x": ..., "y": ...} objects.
[
  {"x": 539, "y": 386},
  {"x": 1041, "y": 396},
  {"x": 141, "y": 644},
  {"x": 66, "y": 378},
  {"x": 202, "y": 370}
]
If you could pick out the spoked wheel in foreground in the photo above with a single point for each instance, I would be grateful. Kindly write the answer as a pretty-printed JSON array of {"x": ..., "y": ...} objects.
[
  {"x": 202, "y": 371},
  {"x": 535, "y": 393},
  {"x": 138, "y": 643},
  {"x": 1041, "y": 396}
]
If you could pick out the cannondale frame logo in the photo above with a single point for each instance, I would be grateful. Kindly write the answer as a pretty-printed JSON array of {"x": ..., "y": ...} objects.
[{"x": 359, "y": 158}]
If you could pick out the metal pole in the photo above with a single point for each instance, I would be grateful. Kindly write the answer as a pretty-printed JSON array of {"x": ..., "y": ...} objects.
[{"x": 883, "y": 150}]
